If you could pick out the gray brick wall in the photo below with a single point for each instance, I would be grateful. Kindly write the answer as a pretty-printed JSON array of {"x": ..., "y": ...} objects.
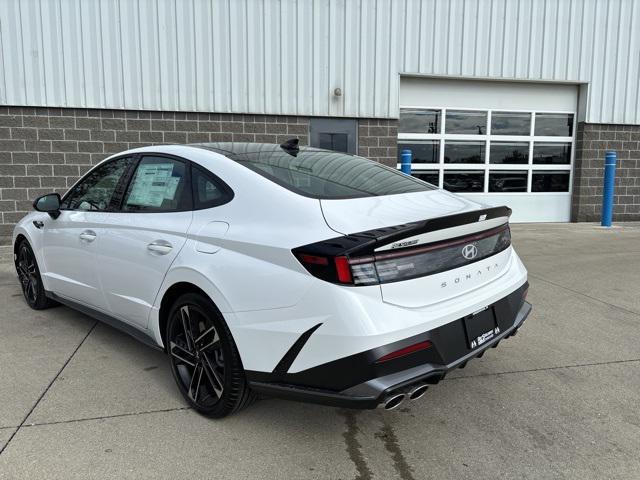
[
  {"x": 592, "y": 141},
  {"x": 378, "y": 140},
  {"x": 47, "y": 149}
]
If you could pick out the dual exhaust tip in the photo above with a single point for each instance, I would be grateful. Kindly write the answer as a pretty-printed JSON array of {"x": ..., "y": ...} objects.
[{"x": 394, "y": 401}]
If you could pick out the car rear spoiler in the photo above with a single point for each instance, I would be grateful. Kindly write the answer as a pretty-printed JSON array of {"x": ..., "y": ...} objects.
[{"x": 363, "y": 243}]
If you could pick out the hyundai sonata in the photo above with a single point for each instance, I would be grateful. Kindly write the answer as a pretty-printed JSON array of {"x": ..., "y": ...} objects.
[{"x": 276, "y": 269}]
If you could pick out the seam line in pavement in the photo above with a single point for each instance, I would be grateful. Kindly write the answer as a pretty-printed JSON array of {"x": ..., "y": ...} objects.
[
  {"x": 48, "y": 387},
  {"x": 586, "y": 295},
  {"x": 104, "y": 417},
  {"x": 578, "y": 365}
]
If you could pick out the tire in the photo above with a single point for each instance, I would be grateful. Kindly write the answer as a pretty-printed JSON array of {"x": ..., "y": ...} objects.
[
  {"x": 30, "y": 279},
  {"x": 205, "y": 362}
]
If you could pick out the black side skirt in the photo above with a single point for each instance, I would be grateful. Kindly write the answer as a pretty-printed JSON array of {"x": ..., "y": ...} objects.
[{"x": 145, "y": 338}]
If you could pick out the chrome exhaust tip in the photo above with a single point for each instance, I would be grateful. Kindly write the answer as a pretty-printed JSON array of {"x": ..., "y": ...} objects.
[
  {"x": 418, "y": 391},
  {"x": 393, "y": 401}
]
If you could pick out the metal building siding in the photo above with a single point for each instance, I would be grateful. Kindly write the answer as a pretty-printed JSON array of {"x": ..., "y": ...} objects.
[{"x": 287, "y": 56}]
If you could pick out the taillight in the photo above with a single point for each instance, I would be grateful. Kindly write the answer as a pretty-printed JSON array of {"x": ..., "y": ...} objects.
[
  {"x": 405, "y": 351},
  {"x": 401, "y": 264},
  {"x": 343, "y": 270}
]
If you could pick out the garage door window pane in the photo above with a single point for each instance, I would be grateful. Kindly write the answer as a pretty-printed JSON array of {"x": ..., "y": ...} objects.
[
  {"x": 432, "y": 177},
  {"x": 464, "y": 152},
  {"x": 464, "y": 181},
  {"x": 419, "y": 121},
  {"x": 550, "y": 182},
  {"x": 552, "y": 153},
  {"x": 465, "y": 122},
  {"x": 421, "y": 152},
  {"x": 554, "y": 124},
  {"x": 509, "y": 153},
  {"x": 510, "y": 123},
  {"x": 507, "y": 181}
]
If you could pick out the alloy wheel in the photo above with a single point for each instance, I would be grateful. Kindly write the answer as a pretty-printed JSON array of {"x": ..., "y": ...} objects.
[
  {"x": 196, "y": 355},
  {"x": 28, "y": 274}
]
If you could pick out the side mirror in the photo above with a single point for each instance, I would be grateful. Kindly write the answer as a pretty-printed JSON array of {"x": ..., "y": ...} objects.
[{"x": 49, "y": 203}]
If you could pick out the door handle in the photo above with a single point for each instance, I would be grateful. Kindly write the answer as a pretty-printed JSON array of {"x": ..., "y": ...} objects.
[
  {"x": 160, "y": 247},
  {"x": 88, "y": 236}
]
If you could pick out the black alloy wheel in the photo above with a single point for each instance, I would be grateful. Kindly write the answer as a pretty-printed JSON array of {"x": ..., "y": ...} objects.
[
  {"x": 30, "y": 280},
  {"x": 204, "y": 359}
]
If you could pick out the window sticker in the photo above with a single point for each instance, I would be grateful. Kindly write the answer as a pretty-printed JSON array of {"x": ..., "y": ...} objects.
[{"x": 153, "y": 184}]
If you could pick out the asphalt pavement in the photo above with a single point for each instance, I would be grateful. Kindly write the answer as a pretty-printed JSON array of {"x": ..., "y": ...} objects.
[{"x": 79, "y": 399}]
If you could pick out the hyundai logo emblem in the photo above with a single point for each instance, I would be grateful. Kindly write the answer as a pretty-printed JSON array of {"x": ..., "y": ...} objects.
[{"x": 470, "y": 251}]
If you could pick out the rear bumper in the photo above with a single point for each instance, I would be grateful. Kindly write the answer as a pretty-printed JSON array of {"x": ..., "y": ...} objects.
[{"x": 325, "y": 384}]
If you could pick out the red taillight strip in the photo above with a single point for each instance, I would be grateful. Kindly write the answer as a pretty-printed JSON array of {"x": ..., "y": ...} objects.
[
  {"x": 343, "y": 270},
  {"x": 405, "y": 252},
  {"x": 405, "y": 351}
]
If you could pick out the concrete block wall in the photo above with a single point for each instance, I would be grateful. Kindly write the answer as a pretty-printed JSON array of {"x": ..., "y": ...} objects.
[
  {"x": 378, "y": 140},
  {"x": 48, "y": 149},
  {"x": 592, "y": 141}
]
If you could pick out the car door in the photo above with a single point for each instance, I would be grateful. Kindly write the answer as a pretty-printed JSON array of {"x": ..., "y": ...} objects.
[
  {"x": 70, "y": 241},
  {"x": 141, "y": 240}
]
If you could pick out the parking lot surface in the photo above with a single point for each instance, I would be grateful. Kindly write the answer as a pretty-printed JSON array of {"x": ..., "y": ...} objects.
[{"x": 560, "y": 400}]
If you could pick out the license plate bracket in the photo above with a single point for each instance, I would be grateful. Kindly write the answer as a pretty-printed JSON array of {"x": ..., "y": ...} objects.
[{"x": 481, "y": 327}]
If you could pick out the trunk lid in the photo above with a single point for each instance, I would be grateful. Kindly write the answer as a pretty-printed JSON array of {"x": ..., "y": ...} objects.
[
  {"x": 428, "y": 231},
  {"x": 360, "y": 214}
]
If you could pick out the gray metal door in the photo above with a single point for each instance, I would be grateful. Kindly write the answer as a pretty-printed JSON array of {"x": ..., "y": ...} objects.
[{"x": 340, "y": 135}]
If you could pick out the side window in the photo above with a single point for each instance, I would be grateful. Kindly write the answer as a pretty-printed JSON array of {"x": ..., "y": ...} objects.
[
  {"x": 159, "y": 185},
  {"x": 207, "y": 191},
  {"x": 96, "y": 190}
]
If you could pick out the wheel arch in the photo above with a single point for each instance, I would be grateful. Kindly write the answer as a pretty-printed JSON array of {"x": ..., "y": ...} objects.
[
  {"x": 19, "y": 239},
  {"x": 170, "y": 295}
]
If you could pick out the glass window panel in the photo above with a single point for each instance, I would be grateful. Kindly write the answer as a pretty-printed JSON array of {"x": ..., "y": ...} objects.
[
  {"x": 554, "y": 124},
  {"x": 464, "y": 152},
  {"x": 507, "y": 181},
  {"x": 550, "y": 181},
  {"x": 509, "y": 153},
  {"x": 96, "y": 190},
  {"x": 551, "y": 153},
  {"x": 159, "y": 185},
  {"x": 510, "y": 123},
  {"x": 464, "y": 180},
  {"x": 466, "y": 122},
  {"x": 422, "y": 152},
  {"x": 431, "y": 176},
  {"x": 419, "y": 121}
]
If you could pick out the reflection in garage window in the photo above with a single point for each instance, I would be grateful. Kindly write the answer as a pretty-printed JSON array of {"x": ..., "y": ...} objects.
[
  {"x": 419, "y": 121},
  {"x": 421, "y": 152},
  {"x": 554, "y": 124},
  {"x": 509, "y": 152},
  {"x": 430, "y": 176},
  {"x": 552, "y": 153},
  {"x": 550, "y": 181},
  {"x": 464, "y": 180},
  {"x": 466, "y": 122},
  {"x": 507, "y": 181},
  {"x": 510, "y": 123},
  {"x": 464, "y": 152}
]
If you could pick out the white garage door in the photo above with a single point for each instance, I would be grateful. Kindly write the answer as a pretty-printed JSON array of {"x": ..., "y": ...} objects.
[{"x": 501, "y": 143}]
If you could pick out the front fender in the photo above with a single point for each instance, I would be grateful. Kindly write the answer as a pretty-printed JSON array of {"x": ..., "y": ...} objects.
[{"x": 34, "y": 236}]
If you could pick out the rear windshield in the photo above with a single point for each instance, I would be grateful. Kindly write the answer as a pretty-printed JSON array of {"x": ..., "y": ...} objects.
[{"x": 329, "y": 175}]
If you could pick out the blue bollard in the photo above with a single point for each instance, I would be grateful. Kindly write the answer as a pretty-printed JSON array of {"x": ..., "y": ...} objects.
[
  {"x": 607, "y": 192},
  {"x": 405, "y": 161}
]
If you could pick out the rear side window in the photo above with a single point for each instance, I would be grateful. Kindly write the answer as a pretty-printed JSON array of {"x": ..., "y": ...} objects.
[
  {"x": 208, "y": 191},
  {"x": 329, "y": 175},
  {"x": 159, "y": 185}
]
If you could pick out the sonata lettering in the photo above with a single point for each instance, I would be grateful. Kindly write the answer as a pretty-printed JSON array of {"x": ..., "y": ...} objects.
[{"x": 469, "y": 276}]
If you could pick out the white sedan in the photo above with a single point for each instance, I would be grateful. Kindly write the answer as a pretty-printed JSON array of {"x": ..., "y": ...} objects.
[{"x": 277, "y": 269}]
